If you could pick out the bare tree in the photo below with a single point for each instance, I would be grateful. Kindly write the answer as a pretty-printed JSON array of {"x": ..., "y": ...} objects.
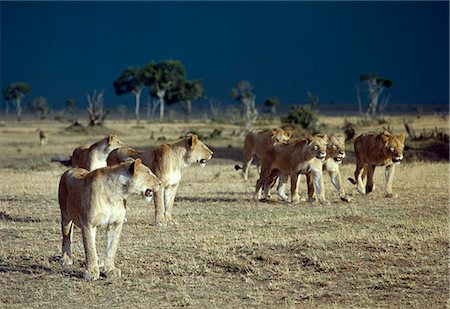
[
  {"x": 95, "y": 108},
  {"x": 375, "y": 86},
  {"x": 243, "y": 93}
]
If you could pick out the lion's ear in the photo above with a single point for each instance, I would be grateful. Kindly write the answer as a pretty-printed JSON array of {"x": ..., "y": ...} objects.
[
  {"x": 111, "y": 138},
  {"x": 309, "y": 139},
  {"x": 288, "y": 133},
  {"x": 133, "y": 167},
  {"x": 402, "y": 137},
  {"x": 384, "y": 137},
  {"x": 191, "y": 140},
  {"x": 273, "y": 132}
]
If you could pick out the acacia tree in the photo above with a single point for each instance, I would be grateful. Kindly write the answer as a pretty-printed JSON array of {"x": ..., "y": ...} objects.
[
  {"x": 162, "y": 77},
  {"x": 15, "y": 93},
  {"x": 40, "y": 106},
  {"x": 131, "y": 81},
  {"x": 375, "y": 86},
  {"x": 243, "y": 93},
  {"x": 185, "y": 92}
]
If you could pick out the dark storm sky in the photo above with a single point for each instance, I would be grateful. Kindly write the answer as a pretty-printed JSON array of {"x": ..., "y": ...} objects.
[{"x": 285, "y": 49}]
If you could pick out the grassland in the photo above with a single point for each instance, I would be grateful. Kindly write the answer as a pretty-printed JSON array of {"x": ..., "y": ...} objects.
[{"x": 228, "y": 250}]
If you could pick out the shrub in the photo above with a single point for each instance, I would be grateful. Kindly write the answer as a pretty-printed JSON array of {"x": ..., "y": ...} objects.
[{"x": 304, "y": 116}]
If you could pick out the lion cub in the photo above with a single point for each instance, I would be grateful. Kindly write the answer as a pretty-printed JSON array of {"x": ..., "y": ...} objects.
[
  {"x": 257, "y": 142},
  {"x": 96, "y": 198},
  {"x": 92, "y": 157}
]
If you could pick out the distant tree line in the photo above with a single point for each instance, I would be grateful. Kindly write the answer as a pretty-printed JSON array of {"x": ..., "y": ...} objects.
[{"x": 167, "y": 83}]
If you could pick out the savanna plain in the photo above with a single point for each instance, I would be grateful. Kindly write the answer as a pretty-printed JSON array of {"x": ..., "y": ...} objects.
[{"x": 228, "y": 250}]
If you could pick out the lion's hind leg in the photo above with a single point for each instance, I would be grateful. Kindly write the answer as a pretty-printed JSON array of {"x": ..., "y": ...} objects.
[{"x": 67, "y": 255}]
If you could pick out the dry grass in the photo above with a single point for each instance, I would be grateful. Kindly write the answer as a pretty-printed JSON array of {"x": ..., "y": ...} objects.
[{"x": 228, "y": 250}]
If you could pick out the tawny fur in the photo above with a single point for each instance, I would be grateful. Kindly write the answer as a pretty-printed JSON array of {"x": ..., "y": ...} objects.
[
  {"x": 92, "y": 157},
  {"x": 93, "y": 199},
  {"x": 257, "y": 143},
  {"x": 371, "y": 150},
  {"x": 167, "y": 161},
  {"x": 122, "y": 154},
  {"x": 291, "y": 159}
]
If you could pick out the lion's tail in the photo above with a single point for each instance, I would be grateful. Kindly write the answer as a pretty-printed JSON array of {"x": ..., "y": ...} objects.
[
  {"x": 62, "y": 161},
  {"x": 237, "y": 167},
  {"x": 352, "y": 181}
]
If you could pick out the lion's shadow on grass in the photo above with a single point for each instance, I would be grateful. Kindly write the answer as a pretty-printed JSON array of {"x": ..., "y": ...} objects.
[
  {"x": 36, "y": 269},
  {"x": 6, "y": 217}
]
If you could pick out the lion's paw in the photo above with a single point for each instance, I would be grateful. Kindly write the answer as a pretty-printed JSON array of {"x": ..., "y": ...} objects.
[
  {"x": 391, "y": 195},
  {"x": 113, "y": 273},
  {"x": 66, "y": 260},
  {"x": 92, "y": 274},
  {"x": 344, "y": 198}
]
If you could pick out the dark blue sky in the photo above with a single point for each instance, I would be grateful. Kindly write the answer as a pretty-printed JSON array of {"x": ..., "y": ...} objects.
[{"x": 285, "y": 49}]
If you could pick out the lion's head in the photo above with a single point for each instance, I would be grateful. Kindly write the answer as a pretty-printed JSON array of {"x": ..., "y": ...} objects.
[
  {"x": 393, "y": 146},
  {"x": 317, "y": 145},
  {"x": 280, "y": 136},
  {"x": 197, "y": 151},
  {"x": 143, "y": 180},
  {"x": 336, "y": 148},
  {"x": 112, "y": 142}
]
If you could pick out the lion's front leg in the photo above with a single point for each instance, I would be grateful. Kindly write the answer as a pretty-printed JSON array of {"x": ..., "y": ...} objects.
[
  {"x": 158, "y": 201},
  {"x": 92, "y": 270},
  {"x": 281, "y": 187},
  {"x": 112, "y": 242},
  {"x": 336, "y": 180},
  {"x": 318, "y": 184},
  {"x": 169, "y": 199},
  {"x": 389, "y": 175},
  {"x": 295, "y": 198}
]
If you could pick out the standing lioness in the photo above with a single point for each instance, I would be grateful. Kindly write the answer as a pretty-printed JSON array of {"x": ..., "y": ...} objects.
[
  {"x": 92, "y": 199},
  {"x": 167, "y": 161},
  {"x": 94, "y": 156}
]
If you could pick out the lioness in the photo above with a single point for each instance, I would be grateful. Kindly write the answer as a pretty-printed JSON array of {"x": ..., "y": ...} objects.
[
  {"x": 96, "y": 198},
  {"x": 167, "y": 161},
  {"x": 93, "y": 157},
  {"x": 122, "y": 154},
  {"x": 42, "y": 137},
  {"x": 291, "y": 159},
  {"x": 257, "y": 142},
  {"x": 335, "y": 155},
  {"x": 371, "y": 150}
]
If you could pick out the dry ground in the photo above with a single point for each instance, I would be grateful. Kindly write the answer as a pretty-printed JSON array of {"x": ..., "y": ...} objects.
[{"x": 228, "y": 251}]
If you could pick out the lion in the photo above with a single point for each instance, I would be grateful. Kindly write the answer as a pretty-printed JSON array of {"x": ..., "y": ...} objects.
[
  {"x": 93, "y": 199},
  {"x": 371, "y": 150},
  {"x": 122, "y": 154},
  {"x": 92, "y": 157},
  {"x": 257, "y": 142},
  {"x": 335, "y": 155},
  {"x": 167, "y": 161},
  {"x": 43, "y": 139},
  {"x": 295, "y": 157}
]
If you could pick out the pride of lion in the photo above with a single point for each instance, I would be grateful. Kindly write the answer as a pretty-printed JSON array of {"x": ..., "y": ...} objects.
[{"x": 93, "y": 192}]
